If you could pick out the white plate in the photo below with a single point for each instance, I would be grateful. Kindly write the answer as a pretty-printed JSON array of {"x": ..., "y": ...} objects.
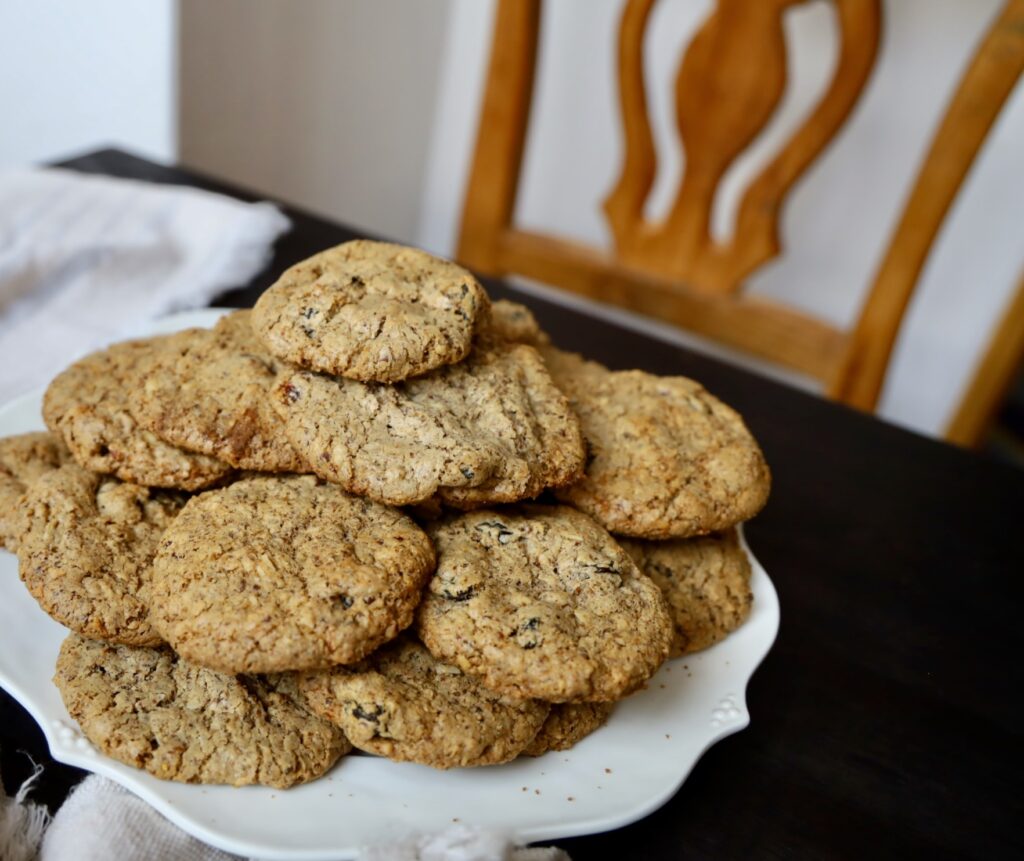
[{"x": 621, "y": 773}]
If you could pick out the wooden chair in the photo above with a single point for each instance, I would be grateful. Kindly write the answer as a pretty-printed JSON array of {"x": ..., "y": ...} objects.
[
  {"x": 728, "y": 86},
  {"x": 993, "y": 377}
]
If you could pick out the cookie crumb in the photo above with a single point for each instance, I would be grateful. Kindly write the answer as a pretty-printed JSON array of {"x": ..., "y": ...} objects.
[{"x": 607, "y": 771}]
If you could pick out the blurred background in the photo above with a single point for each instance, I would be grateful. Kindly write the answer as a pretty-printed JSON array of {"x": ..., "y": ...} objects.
[{"x": 366, "y": 111}]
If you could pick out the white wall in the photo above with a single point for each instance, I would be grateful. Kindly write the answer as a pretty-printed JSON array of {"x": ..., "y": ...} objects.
[
  {"x": 839, "y": 217},
  {"x": 79, "y": 75},
  {"x": 321, "y": 103}
]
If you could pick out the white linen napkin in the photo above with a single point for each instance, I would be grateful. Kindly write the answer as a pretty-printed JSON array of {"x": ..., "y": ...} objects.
[
  {"x": 22, "y": 822},
  {"x": 101, "y": 820},
  {"x": 85, "y": 258}
]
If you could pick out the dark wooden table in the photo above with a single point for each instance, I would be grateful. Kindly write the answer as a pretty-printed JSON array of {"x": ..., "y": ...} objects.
[{"x": 885, "y": 720}]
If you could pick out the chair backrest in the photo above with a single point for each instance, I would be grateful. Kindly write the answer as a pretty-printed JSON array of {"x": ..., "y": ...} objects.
[
  {"x": 728, "y": 86},
  {"x": 993, "y": 377}
]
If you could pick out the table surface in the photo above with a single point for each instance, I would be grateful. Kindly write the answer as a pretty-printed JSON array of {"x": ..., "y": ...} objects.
[{"x": 884, "y": 720}]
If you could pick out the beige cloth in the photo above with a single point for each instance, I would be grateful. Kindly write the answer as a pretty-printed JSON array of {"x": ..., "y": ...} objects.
[
  {"x": 22, "y": 823},
  {"x": 83, "y": 259},
  {"x": 101, "y": 821}
]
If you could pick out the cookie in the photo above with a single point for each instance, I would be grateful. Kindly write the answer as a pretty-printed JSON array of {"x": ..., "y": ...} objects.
[
  {"x": 93, "y": 405},
  {"x": 567, "y": 724},
  {"x": 515, "y": 323},
  {"x": 491, "y": 429},
  {"x": 23, "y": 459},
  {"x": 286, "y": 573},
  {"x": 541, "y": 602},
  {"x": 208, "y": 391},
  {"x": 404, "y": 704},
  {"x": 666, "y": 459},
  {"x": 371, "y": 311},
  {"x": 87, "y": 551},
  {"x": 150, "y": 709},
  {"x": 706, "y": 582},
  {"x": 568, "y": 368}
]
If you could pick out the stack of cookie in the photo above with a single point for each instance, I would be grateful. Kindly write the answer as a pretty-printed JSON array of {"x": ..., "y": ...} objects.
[{"x": 376, "y": 511}]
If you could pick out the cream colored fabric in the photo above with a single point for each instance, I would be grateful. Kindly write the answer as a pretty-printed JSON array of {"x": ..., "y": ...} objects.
[
  {"x": 83, "y": 259},
  {"x": 101, "y": 821},
  {"x": 22, "y": 823}
]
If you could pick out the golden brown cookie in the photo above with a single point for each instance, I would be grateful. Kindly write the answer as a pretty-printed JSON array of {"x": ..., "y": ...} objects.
[
  {"x": 404, "y": 704},
  {"x": 93, "y": 407},
  {"x": 491, "y": 429},
  {"x": 286, "y": 573},
  {"x": 567, "y": 724},
  {"x": 87, "y": 551},
  {"x": 515, "y": 323},
  {"x": 371, "y": 311},
  {"x": 540, "y": 601},
  {"x": 208, "y": 391},
  {"x": 152, "y": 710},
  {"x": 706, "y": 582},
  {"x": 23, "y": 459},
  {"x": 665, "y": 458}
]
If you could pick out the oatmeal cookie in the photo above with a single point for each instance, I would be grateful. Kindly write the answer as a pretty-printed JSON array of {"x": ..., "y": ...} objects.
[
  {"x": 208, "y": 391},
  {"x": 23, "y": 459},
  {"x": 404, "y": 704},
  {"x": 491, "y": 429},
  {"x": 515, "y": 323},
  {"x": 371, "y": 311},
  {"x": 666, "y": 459},
  {"x": 93, "y": 407},
  {"x": 87, "y": 551},
  {"x": 150, "y": 709},
  {"x": 567, "y": 724},
  {"x": 540, "y": 601},
  {"x": 706, "y": 582},
  {"x": 286, "y": 573}
]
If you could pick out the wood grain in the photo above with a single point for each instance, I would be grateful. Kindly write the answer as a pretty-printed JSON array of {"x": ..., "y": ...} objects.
[
  {"x": 504, "y": 116},
  {"x": 758, "y": 326},
  {"x": 992, "y": 378},
  {"x": 728, "y": 86},
  {"x": 990, "y": 78}
]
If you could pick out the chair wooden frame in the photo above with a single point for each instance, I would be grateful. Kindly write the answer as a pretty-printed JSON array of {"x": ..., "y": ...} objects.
[
  {"x": 992, "y": 378},
  {"x": 675, "y": 269}
]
